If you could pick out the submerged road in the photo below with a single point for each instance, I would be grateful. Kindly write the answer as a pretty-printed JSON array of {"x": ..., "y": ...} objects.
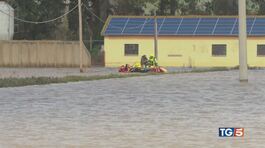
[{"x": 171, "y": 111}]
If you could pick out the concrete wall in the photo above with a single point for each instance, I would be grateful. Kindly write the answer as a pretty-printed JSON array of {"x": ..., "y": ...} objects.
[
  {"x": 41, "y": 54},
  {"x": 182, "y": 51}
]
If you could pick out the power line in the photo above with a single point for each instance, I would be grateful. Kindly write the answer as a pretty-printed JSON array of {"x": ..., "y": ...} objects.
[
  {"x": 101, "y": 20},
  {"x": 117, "y": 27},
  {"x": 70, "y": 11},
  {"x": 41, "y": 22}
]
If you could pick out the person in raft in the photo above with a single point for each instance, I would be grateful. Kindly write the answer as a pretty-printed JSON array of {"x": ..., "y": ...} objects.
[
  {"x": 144, "y": 61},
  {"x": 152, "y": 61}
]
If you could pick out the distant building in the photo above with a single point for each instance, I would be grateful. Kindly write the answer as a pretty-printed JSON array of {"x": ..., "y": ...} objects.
[
  {"x": 6, "y": 21},
  {"x": 183, "y": 41}
]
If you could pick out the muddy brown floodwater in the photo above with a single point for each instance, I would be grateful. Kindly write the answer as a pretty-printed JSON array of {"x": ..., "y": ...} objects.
[{"x": 169, "y": 111}]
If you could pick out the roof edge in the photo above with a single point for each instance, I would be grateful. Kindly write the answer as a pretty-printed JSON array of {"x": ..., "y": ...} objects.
[
  {"x": 186, "y": 36},
  {"x": 186, "y": 16},
  {"x": 106, "y": 25}
]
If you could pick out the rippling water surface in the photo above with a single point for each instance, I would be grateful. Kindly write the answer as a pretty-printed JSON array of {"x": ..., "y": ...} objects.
[{"x": 183, "y": 110}]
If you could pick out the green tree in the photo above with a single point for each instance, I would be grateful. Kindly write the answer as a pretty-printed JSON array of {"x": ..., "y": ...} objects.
[
  {"x": 190, "y": 7},
  {"x": 173, "y": 7},
  {"x": 261, "y": 6},
  {"x": 37, "y": 11},
  {"x": 49, "y": 9},
  {"x": 164, "y": 7},
  {"x": 41, "y": 10},
  {"x": 225, "y": 7},
  {"x": 129, "y": 7}
]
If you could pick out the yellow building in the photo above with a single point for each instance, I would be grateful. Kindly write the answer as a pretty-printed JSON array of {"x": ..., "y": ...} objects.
[{"x": 183, "y": 41}]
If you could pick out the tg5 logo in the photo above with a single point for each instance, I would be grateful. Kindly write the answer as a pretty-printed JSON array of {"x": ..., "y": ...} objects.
[{"x": 231, "y": 132}]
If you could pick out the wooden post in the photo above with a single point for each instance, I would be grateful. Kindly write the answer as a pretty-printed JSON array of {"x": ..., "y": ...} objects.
[
  {"x": 243, "y": 66},
  {"x": 80, "y": 36},
  {"x": 156, "y": 36}
]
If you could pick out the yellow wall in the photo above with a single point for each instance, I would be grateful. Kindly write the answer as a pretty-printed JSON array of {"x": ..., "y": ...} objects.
[
  {"x": 191, "y": 51},
  {"x": 114, "y": 50}
]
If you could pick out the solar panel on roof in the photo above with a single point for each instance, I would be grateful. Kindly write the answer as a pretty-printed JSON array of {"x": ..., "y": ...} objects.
[
  {"x": 183, "y": 26},
  {"x": 250, "y": 24},
  {"x": 188, "y": 26},
  {"x": 206, "y": 26},
  {"x": 134, "y": 26},
  {"x": 170, "y": 26},
  {"x": 224, "y": 26},
  {"x": 115, "y": 26},
  {"x": 259, "y": 27},
  {"x": 148, "y": 28}
]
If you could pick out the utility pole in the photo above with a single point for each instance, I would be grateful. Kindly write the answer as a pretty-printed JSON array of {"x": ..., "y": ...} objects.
[
  {"x": 156, "y": 36},
  {"x": 243, "y": 66},
  {"x": 80, "y": 36}
]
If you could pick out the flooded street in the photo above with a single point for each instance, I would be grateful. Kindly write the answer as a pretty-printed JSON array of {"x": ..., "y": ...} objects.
[{"x": 171, "y": 111}]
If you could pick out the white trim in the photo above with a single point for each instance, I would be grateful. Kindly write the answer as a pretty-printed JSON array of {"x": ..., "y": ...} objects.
[
  {"x": 234, "y": 26},
  {"x": 161, "y": 25},
  {"x": 179, "y": 26},
  {"x": 250, "y": 32},
  {"x": 125, "y": 25},
  {"x": 197, "y": 26},
  {"x": 143, "y": 26},
  {"x": 217, "y": 21}
]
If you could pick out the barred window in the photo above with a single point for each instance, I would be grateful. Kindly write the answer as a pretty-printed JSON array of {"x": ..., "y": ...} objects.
[
  {"x": 131, "y": 49},
  {"x": 261, "y": 50},
  {"x": 219, "y": 50}
]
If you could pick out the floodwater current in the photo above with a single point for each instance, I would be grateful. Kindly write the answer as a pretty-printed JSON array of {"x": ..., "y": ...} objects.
[{"x": 166, "y": 111}]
